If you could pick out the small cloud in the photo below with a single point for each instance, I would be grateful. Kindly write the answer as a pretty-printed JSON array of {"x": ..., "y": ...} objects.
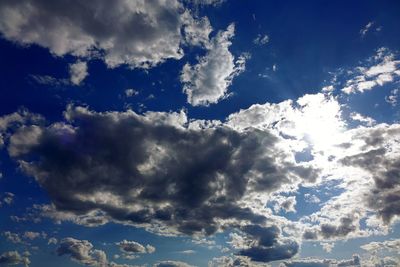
[
  {"x": 328, "y": 88},
  {"x": 131, "y": 92},
  {"x": 364, "y": 119},
  {"x": 392, "y": 98},
  {"x": 328, "y": 247},
  {"x": 190, "y": 251},
  {"x": 261, "y": 39},
  {"x": 48, "y": 80},
  {"x": 52, "y": 240},
  {"x": 78, "y": 72},
  {"x": 366, "y": 28}
]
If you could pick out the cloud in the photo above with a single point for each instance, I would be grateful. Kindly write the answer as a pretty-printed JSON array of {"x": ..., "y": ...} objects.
[
  {"x": 358, "y": 117},
  {"x": 207, "y": 82},
  {"x": 8, "y": 198},
  {"x": 312, "y": 262},
  {"x": 140, "y": 34},
  {"x": 379, "y": 159},
  {"x": 14, "y": 258},
  {"x": 31, "y": 235},
  {"x": 384, "y": 70},
  {"x": 49, "y": 80},
  {"x": 131, "y": 248},
  {"x": 170, "y": 263},
  {"x": 52, "y": 240},
  {"x": 204, "y": 190},
  {"x": 78, "y": 72},
  {"x": 367, "y": 27},
  {"x": 131, "y": 92},
  {"x": 389, "y": 245},
  {"x": 74, "y": 159},
  {"x": 207, "y": 2},
  {"x": 392, "y": 98},
  {"x": 237, "y": 261},
  {"x": 261, "y": 40},
  {"x": 12, "y": 237},
  {"x": 83, "y": 252}
]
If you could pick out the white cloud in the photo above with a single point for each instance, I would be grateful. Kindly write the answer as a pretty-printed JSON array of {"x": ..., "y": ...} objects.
[
  {"x": 367, "y": 27},
  {"x": 131, "y": 92},
  {"x": 261, "y": 40},
  {"x": 392, "y": 98},
  {"x": 170, "y": 263},
  {"x": 78, "y": 72},
  {"x": 207, "y": 82},
  {"x": 364, "y": 119},
  {"x": 384, "y": 70},
  {"x": 137, "y": 33}
]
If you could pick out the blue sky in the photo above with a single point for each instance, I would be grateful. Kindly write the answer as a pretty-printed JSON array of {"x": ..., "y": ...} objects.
[{"x": 199, "y": 133}]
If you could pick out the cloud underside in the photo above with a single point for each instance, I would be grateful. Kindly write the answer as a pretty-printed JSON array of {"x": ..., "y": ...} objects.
[{"x": 142, "y": 170}]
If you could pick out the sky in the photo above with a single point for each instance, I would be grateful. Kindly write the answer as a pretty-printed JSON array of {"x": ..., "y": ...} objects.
[{"x": 199, "y": 133}]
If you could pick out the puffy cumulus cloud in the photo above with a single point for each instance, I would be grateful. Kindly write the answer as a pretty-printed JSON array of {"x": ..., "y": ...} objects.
[
  {"x": 384, "y": 69},
  {"x": 137, "y": 33},
  {"x": 31, "y": 235},
  {"x": 14, "y": 258},
  {"x": 52, "y": 240},
  {"x": 367, "y": 160},
  {"x": 83, "y": 252},
  {"x": 379, "y": 158},
  {"x": 111, "y": 165},
  {"x": 12, "y": 237},
  {"x": 207, "y": 81},
  {"x": 389, "y": 245},
  {"x": 131, "y": 248},
  {"x": 170, "y": 263},
  {"x": 78, "y": 72},
  {"x": 263, "y": 243},
  {"x": 285, "y": 203},
  {"x": 238, "y": 261},
  {"x": 207, "y": 2},
  {"x": 376, "y": 261},
  {"x": 197, "y": 31}
]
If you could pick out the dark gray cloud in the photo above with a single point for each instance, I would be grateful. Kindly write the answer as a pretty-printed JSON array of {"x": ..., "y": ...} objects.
[
  {"x": 346, "y": 225},
  {"x": 14, "y": 258},
  {"x": 139, "y": 170},
  {"x": 266, "y": 244},
  {"x": 137, "y": 33}
]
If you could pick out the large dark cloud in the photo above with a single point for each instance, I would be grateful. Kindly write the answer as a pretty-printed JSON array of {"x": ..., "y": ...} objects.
[
  {"x": 156, "y": 172},
  {"x": 142, "y": 171}
]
